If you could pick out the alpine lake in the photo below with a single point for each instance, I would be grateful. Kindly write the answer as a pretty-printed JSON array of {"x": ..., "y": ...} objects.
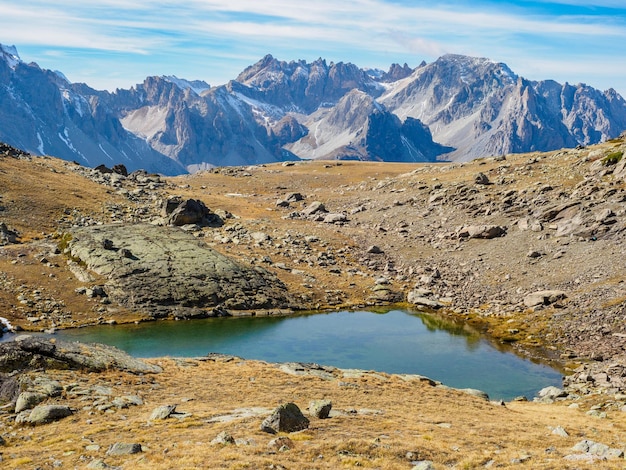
[{"x": 395, "y": 341}]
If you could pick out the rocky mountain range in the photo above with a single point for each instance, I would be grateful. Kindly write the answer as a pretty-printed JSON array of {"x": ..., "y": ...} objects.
[{"x": 456, "y": 108}]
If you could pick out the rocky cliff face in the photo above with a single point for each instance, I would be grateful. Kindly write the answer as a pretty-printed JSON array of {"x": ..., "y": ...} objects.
[
  {"x": 42, "y": 113},
  {"x": 456, "y": 108},
  {"x": 482, "y": 108},
  {"x": 359, "y": 128}
]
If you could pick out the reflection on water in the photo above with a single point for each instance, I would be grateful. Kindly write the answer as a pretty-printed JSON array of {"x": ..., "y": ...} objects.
[{"x": 394, "y": 342}]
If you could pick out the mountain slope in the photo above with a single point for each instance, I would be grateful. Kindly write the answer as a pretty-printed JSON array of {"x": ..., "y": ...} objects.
[
  {"x": 41, "y": 113},
  {"x": 359, "y": 128},
  {"x": 482, "y": 108}
]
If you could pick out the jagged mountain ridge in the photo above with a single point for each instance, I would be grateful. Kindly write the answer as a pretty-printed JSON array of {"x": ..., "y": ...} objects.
[
  {"x": 483, "y": 108},
  {"x": 455, "y": 108}
]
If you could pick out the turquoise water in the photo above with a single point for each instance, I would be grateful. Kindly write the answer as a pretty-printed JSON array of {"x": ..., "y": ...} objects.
[{"x": 394, "y": 342}]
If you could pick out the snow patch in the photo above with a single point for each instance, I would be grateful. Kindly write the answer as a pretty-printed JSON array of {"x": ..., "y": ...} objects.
[
  {"x": 40, "y": 148},
  {"x": 105, "y": 152},
  {"x": 197, "y": 86}
]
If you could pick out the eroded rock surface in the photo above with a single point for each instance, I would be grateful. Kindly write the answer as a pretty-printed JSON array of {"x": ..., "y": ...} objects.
[
  {"x": 171, "y": 273},
  {"x": 29, "y": 352}
]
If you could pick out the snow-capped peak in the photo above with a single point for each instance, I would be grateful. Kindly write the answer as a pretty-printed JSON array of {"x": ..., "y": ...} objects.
[
  {"x": 10, "y": 55},
  {"x": 197, "y": 86}
]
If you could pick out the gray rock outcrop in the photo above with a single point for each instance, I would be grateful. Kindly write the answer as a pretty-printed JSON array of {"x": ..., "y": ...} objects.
[
  {"x": 44, "y": 414},
  {"x": 171, "y": 273},
  {"x": 29, "y": 352}
]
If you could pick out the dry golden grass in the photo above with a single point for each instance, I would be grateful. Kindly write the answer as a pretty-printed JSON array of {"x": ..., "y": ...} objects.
[{"x": 380, "y": 421}]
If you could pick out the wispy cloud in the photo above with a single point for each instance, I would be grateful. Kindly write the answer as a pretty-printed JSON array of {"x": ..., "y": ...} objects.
[{"x": 215, "y": 39}]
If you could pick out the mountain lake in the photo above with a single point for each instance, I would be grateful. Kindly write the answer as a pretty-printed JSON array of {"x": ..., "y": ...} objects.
[{"x": 396, "y": 341}]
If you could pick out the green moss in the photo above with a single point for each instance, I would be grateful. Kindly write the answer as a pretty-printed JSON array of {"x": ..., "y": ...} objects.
[
  {"x": 64, "y": 240},
  {"x": 612, "y": 158},
  {"x": 63, "y": 243}
]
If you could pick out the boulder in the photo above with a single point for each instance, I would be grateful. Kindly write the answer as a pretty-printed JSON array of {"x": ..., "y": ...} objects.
[
  {"x": 320, "y": 408},
  {"x": 285, "y": 418},
  {"x": 120, "y": 169},
  {"x": 482, "y": 179},
  {"x": 162, "y": 412},
  {"x": 486, "y": 232},
  {"x": 544, "y": 297},
  {"x": 7, "y": 235},
  {"x": 314, "y": 208},
  {"x": 44, "y": 414},
  {"x": 121, "y": 448},
  {"x": 28, "y": 400},
  {"x": 192, "y": 211}
]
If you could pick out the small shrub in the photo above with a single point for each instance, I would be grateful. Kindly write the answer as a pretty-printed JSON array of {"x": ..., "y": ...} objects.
[{"x": 612, "y": 158}]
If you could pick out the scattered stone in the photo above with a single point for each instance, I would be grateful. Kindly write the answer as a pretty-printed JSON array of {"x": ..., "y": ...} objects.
[
  {"x": 28, "y": 400},
  {"x": 335, "y": 218},
  {"x": 281, "y": 444},
  {"x": 545, "y": 297},
  {"x": 121, "y": 448},
  {"x": 417, "y": 297},
  {"x": 162, "y": 412},
  {"x": 7, "y": 236},
  {"x": 320, "y": 408},
  {"x": 223, "y": 438},
  {"x": 100, "y": 464},
  {"x": 481, "y": 179},
  {"x": 314, "y": 208},
  {"x": 294, "y": 197},
  {"x": 423, "y": 465},
  {"x": 560, "y": 431},
  {"x": 285, "y": 418},
  {"x": 550, "y": 394},
  {"x": 44, "y": 414},
  {"x": 486, "y": 232},
  {"x": 598, "y": 450},
  {"x": 375, "y": 250}
]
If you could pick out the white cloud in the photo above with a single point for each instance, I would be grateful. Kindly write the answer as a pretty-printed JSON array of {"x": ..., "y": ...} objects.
[{"x": 244, "y": 30}]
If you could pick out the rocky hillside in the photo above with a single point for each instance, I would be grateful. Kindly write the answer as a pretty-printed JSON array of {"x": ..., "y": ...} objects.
[
  {"x": 456, "y": 108},
  {"x": 517, "y": 245},
  {"x": 526, "y": 248}
]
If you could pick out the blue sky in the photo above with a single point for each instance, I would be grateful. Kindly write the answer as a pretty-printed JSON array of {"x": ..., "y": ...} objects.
[{"x": 116, "y": 43}]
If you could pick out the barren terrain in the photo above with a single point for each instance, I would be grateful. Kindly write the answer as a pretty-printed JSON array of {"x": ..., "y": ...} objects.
[{"x": 479, "y": 242}]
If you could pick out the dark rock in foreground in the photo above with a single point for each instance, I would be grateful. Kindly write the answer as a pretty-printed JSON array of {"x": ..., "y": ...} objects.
[{"x": 285, "y": 418}]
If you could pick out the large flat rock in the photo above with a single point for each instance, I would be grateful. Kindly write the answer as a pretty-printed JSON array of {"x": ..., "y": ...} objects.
[{"x": 165, "y": 271}]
